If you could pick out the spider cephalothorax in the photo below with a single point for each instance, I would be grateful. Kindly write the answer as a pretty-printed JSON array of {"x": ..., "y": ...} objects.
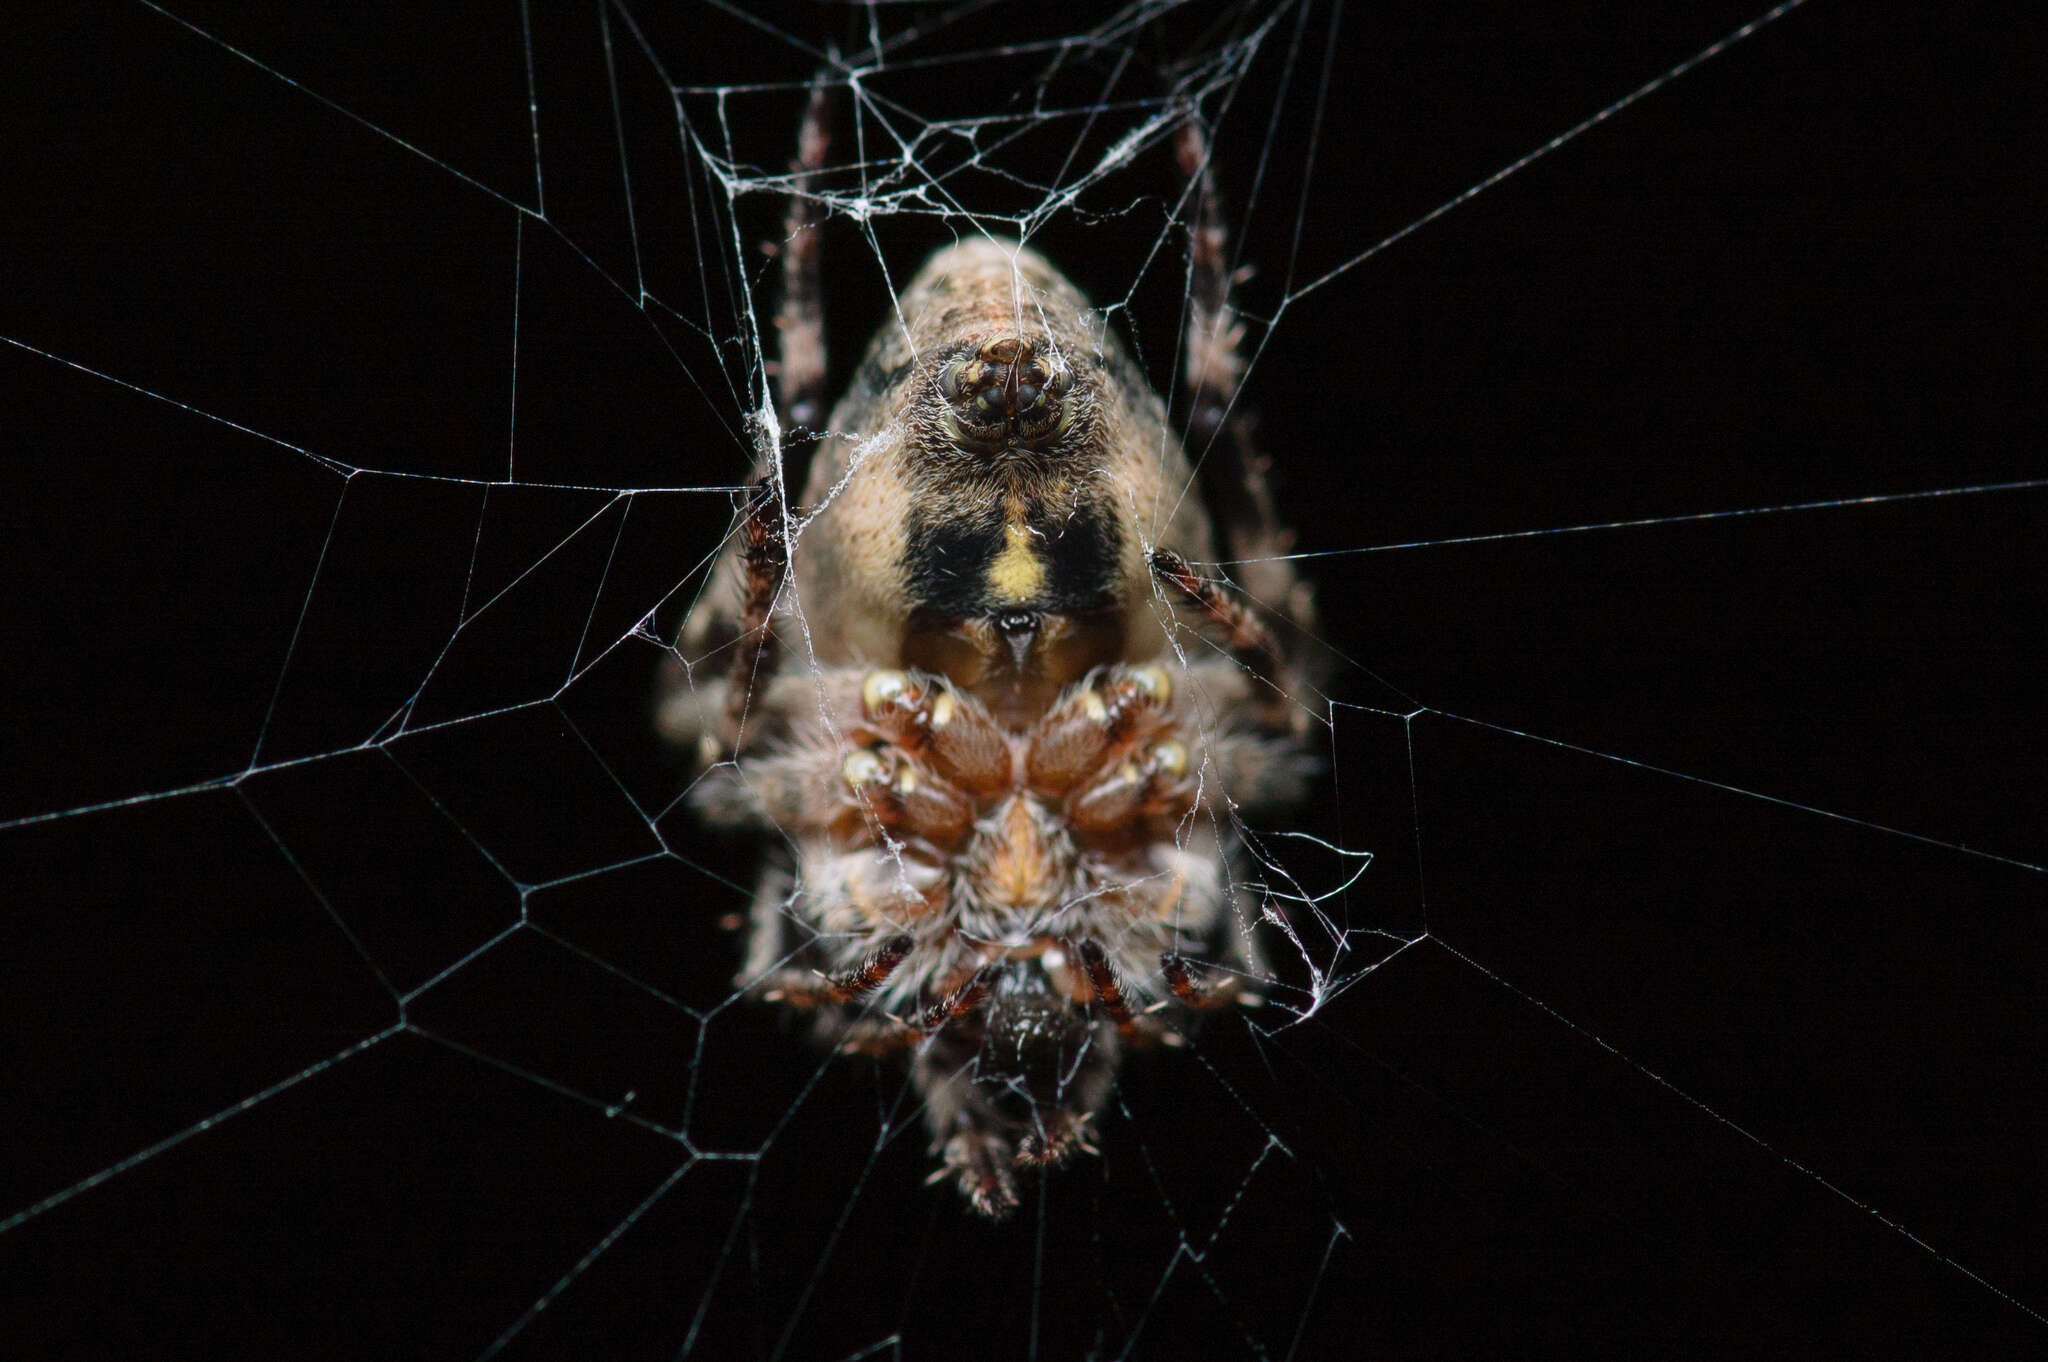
[{"x": 1004, "y": 790}]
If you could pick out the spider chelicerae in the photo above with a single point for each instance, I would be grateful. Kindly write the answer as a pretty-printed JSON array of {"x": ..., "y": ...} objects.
[{"x": 1006, "y": 778}]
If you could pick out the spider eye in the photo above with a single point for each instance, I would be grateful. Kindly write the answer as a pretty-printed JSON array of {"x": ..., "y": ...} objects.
[{"x": 1003, "y": 392}]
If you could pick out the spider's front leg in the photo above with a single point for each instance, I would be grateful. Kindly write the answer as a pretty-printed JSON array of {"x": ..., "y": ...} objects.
[
  {"x": 1250, "y": 642},
  {"x": 799, "y": 370},
  {"x": 764, "y": 554},
  {"x": 1231, "y": 468},
  {"x": 1198, "y": 995},
  {"x": 815, "y": 988},
  {"x": 800, "y": 321}
]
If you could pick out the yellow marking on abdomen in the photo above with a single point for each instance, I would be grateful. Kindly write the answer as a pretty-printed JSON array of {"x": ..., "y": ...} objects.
[{"x": 1018, "y": 573}]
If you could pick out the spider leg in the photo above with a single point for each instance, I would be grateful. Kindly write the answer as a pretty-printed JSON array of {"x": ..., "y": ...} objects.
[
  {"x": 1250, "y": 642},
  {"x": 1220, "y": 432},
  {"x": 979, "y": 1161},
  {"x": 764, "y": 552},
  {"x": 810, "y": 988},
  {"x": 800, "y": 321},
  {"x": 1210, "y": 360},
  {"x": 800, "y": 394},
  {"x": 872, "y": 1036},
  {"x": 1197, "y": 995},
  {"x": 967, "y": 1133},
  {"x": 958, "y": 1003},
  {"x": 1232, "y": 470},
  {"x": 767, "y": 928},
  {"x": 1055, "y": 1136}
]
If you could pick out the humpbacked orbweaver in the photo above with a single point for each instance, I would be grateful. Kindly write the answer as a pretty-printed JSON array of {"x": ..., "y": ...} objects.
[{"x": 1006, "y": 775}]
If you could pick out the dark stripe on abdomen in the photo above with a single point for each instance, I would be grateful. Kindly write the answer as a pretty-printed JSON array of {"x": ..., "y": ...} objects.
[{"x": 948, "y": 561}]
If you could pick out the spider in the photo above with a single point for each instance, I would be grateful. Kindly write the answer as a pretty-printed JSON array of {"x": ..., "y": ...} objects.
[{"x": 1005, "y": 785}]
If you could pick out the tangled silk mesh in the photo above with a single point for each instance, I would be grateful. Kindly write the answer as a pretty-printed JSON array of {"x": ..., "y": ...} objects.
[{"x": 1654, "y": 971}]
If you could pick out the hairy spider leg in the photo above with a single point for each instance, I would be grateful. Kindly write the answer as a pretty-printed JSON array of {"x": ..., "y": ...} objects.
[
  {"x": 1250, "y": 642},
  {"x": 800, "y": 319},
  {"x": 800, "y": 396},
  {"x": 957, "y": 1004},
  {"x": 1220, "y": 434},
  {"x": 1194, "y": 994},
  {"x": 1102, "y": 979},
  {"x": 764, "y": 547},
  {"x": 886, "y": 1035},
  {"x": 1055, "y": 1136},
  {"x": 814, "y": 988}
]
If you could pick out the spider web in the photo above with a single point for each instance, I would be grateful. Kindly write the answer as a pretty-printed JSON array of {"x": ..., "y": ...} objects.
[{"x": 1657, "y": 396}]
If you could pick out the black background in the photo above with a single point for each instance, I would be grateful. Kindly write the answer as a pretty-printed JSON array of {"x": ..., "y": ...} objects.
[{"x": 1673, "y": 1069}]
